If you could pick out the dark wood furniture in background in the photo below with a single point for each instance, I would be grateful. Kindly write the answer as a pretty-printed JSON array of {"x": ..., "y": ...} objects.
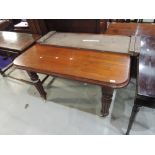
[
  {"x": 13, "y": 43},
  {"x": 77, "y": 25},
  {"x": 145, "y": 95},
  {"x": 16, "y": 42},
  {"x": 132, "y": 29},
  {"x": 123, "y": 20},
  {"x": 37, "y": 26},
  {"x": 42, "y": 26},
  {"x": 100, "y": 68},
  {"x": 5, "y": 24},
  {"x": 132, "y": 20},
  {"x": 129, "y": 29},
  {"x": 10, "y": 25}
]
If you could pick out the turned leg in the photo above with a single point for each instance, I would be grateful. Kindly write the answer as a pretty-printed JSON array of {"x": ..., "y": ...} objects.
[
  {"x": 107, "y": 94},
  {"x": 135, "y": 110},
  {"x": 37, "y": 83}
]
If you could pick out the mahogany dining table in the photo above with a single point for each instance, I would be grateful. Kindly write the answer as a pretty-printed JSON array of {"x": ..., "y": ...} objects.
[{"x": 106, "y": 69}]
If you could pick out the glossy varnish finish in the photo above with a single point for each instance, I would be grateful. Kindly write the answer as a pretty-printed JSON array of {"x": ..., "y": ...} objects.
[
  {"x": 129, "y": 29},
  {"x": 132, "y": 29},
  {"x": 102, "y": 68},
  {"x": 16, "y": 41},
  {"x": 145, "y": 95},
  {"x": 146, "y": 73}
]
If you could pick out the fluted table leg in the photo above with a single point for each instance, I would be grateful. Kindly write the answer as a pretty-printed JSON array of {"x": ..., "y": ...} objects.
[
  {"x": 37, "y": 83},
  {"x": 107, "y": 94}
]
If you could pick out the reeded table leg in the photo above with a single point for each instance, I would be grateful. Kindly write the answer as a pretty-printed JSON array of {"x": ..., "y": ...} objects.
[
  {"x": 37, "y": 83},
  {"x": 135, "y": 110},
  {"x": 107, "y": 94}
]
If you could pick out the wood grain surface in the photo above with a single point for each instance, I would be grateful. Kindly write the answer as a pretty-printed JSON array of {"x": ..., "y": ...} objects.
[{"x": 102, "y": 68}]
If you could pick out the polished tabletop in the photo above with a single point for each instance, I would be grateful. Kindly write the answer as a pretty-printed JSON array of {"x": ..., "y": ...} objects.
[
  {"x": 16, "y": 41},
  {"x": 146, "y": 73},
  {"x": 129, "y": 29},
  {"x": 146, "y": 65},
  {"x": 102, "y": 68}
]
